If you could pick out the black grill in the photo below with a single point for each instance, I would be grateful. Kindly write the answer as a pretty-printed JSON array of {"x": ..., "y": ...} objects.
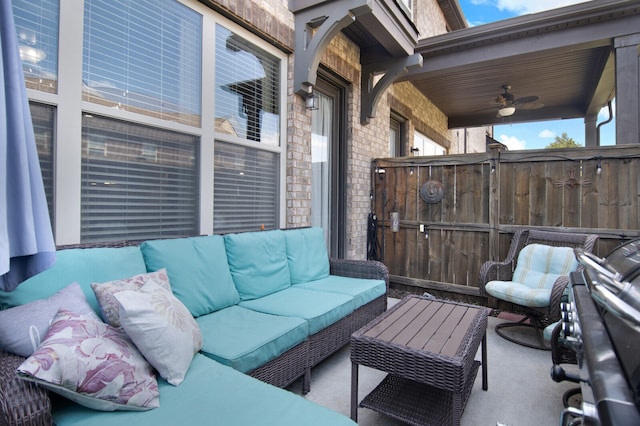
[{"x": 602, "y": 324}]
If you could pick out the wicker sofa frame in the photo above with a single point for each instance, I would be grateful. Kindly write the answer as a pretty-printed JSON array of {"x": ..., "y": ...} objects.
[{"x": 26, "y": 404}]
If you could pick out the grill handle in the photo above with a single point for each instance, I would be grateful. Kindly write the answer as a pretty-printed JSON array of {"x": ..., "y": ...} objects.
[{"x": 625, "y": 304}]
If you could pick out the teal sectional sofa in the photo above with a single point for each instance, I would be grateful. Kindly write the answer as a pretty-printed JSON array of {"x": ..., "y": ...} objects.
[{"x": 269, "y": 305}]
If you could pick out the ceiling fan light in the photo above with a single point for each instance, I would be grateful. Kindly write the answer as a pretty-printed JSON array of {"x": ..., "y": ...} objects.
[{"x": 506, "y": 111}]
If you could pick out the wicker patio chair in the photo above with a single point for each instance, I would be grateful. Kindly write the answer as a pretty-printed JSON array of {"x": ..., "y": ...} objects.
[{"x": 539, "y": 296}]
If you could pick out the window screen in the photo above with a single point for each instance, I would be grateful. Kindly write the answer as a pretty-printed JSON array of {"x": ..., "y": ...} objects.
[
  {"x": 138, "y": 182},
  {"x": 144, "y": 56},
  {"x": 247, "y": 89},
  {"x": 43, "y": 119},
  {"x": 245, "y": 188},
  {"x": 37, "y": 30}
]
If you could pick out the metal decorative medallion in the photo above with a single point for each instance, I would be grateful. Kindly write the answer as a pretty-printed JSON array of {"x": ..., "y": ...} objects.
[{"x": 432, "y": 191}]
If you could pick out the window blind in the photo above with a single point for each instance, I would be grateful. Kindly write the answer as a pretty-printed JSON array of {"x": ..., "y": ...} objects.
[
  {"x": 37, "y": 30},
  {"x": 144, "y": 56},
  {"x": 42, "y": 117},
  {"x": 247, "y": 89},
  {"x": 245, "y": 188},
  {"x": 138, "y": 182}
]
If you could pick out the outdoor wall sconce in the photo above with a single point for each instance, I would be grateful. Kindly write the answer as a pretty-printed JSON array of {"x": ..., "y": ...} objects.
[
  {"x": 310, "y": 100},
  {"x": 598, "y": 167}
]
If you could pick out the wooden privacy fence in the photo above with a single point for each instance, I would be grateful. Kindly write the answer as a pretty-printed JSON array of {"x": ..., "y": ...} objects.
[{"x": 454, "y": 212}]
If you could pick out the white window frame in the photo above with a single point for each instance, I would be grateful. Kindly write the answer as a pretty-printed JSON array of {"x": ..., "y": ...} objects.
[
  {"x": 426, "y": 146},
  {"x": 70, "y": 107},
  {"x": 407, "y": 5}
]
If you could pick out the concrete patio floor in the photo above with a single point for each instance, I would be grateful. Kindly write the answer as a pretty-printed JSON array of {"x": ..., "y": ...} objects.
[{"x": 521, "y": 392}]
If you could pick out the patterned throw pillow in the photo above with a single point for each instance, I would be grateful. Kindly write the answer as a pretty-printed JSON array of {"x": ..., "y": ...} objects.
[
  {"x": 162, "y": 328},
  {"x": 22, "y": 328},
  {"x": 109, "y": 306},
  {"x": 93, "y": 364}
]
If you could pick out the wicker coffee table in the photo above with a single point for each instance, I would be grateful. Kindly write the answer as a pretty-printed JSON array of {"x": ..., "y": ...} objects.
[{"x": 428, "y": 348}]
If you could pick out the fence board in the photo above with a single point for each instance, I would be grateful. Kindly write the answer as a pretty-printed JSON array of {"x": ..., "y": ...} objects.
[
  {"x": 506, "y": 194},
  {"x": 627, "y": 182},
  {"x": 521, "y": 177},
  {"x": 590, "y": 197},
  {"x": 480, "y": 210},
  {"x": 539, "y": 202}
]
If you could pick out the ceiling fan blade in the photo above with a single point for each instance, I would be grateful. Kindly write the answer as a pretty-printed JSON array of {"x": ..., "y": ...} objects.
[
  {"x": 531, "y": 105},
  {"x": 526, "y": 99}
]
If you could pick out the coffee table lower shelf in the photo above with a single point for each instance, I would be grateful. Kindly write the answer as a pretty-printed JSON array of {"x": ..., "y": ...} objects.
[{"x": 417, "y": 403}]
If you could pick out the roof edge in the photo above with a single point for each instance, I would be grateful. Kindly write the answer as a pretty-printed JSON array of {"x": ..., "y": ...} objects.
[{"x": 527, "y": 24}]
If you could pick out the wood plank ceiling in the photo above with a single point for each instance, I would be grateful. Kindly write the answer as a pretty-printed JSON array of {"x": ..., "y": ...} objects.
[{"x": 564, "y": 56}]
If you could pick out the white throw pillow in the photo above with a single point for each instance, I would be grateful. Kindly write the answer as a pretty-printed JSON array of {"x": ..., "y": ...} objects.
[
  {"x": 93, "y": 364},
  {"x": 109, "y": 306},
  {"x": 162, "y": 328}
]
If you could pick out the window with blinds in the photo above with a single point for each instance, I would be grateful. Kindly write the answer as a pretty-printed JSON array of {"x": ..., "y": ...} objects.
[
  {"x": 144, "y": 56},
  {"x": 138, "y": 182},
  {"x": 247, "y": 101},
  {"x": 247, "y": 106},
  {"x": 37, "y": 30},
  {"x": 245, "y": 188},
  {"x": 43, "y": 119}
]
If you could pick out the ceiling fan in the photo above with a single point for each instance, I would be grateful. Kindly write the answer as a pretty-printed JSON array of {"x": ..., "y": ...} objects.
[{"x": 507, "y": 102}]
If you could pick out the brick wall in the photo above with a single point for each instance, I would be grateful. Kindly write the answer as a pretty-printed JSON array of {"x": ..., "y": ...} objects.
[
  {"x": 428, "y": 18},
  {"x": 273, "y": 21}
]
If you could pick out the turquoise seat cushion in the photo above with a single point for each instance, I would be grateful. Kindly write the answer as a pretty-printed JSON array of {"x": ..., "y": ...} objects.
[
  {"x": 362, "y": 290},
  {"x": 198, "y": 271},
  {"x": 519, "y": 294},
  {"x": 537, "y": 269},
  {"x": 319, "y": 308},
  {"x": 246, "y": 339},
  {"x": 84, "y": 266},
  {"x": 212, "y": 393},
  {"x": 258, "y": 262},
  {"x": 307, "y": 254},
  {"x": 539, "y": 266}
]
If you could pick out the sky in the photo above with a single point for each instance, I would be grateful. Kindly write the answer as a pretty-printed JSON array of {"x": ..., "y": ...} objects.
[{"x": 539, "y": 134}]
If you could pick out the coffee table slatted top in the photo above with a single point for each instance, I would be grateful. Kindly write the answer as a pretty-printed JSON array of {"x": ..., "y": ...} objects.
[
  {"x": 437, "y": 328},
  {"x": 426, "y": 340}
]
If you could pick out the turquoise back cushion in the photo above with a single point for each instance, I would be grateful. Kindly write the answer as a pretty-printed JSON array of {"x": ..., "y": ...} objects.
[
  {"x": 258, "y": 262},
  {"x": 84, "y": 266},
  {"x": 539, "y": 266},
  {"x": 198, "y": 271},
  {"x": 307, "y": 255}
]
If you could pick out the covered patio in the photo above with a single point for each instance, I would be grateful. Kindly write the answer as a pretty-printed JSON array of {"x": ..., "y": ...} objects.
[
  {"x": 564, "y": 63},
  {"x": 517, "y": 376}
]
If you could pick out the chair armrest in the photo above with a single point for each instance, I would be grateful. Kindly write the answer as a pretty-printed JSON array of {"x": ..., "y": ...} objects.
[
  {"x": 496, "y": 270},
  {"x": 491, "y": 271},
  {"x": 21, "y": 402},
  {"x": 557, "y": 291},
  {"x": 371, "y": 269}
]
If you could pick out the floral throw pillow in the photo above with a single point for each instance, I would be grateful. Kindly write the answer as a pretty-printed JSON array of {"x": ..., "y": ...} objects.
[
  {"x": 109, "y": 307},
  {"x": 162, "y": 328},
  {"x": 93, "y": 364}
]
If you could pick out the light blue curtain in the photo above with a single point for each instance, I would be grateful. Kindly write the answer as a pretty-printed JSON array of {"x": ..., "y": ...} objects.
[{"x": 26, "y": 240}]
